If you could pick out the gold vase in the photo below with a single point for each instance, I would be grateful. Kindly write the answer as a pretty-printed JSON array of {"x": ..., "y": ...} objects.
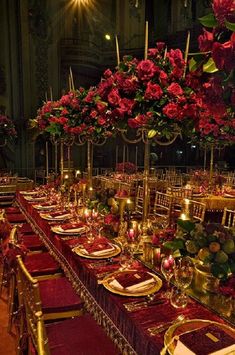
[{"x": 204, "y": 280}]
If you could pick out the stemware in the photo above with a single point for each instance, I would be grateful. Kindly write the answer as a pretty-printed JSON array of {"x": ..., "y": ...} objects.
[
  {"x": 183, "y": 273},
  {"x": 167, "y": 269}
]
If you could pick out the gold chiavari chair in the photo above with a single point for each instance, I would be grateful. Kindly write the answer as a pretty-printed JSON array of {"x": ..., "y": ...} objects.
[
  {"x": 163, "y": 206},
  {"x": 62, "y": 336},
  {"x": 228, "y": 219},
  {"x": 198, "y": 210}
]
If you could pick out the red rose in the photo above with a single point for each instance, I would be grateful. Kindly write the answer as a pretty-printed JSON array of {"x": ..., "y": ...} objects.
[
  {"x": 222, "y": 9},
  {"x": 130, "y": 85},
  {"x": 138, "y": 121},
  {"x": 101, "y": 106},
  {"x": 101, "y": 121},
  {"x": 113, "y": 97},
  {"x": 171, "y": 110},
  {"x": 175, "y": 89},
  {"x": 160, "y": 45},
  {"x": 107, "y": 73},
  {"x": 146, "y": 69},
  {"x": 218, "y": 55},
  {"x": 93, "y": 113},
  {"x": 205, "y": 41},
  {"x": 64, "y": 111},
  {"x": 89, "y": 97},
  {"x": 153, "y": 91},
  {"x": 127, "y": 105},
  {"x": 153, "y": 52},
  {"x": 65, "y": 100},
  {"x": 163, "y": 78}
]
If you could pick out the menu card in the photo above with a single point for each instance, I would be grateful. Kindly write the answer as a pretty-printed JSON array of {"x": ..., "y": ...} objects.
[{"x": 208, "y": 340}]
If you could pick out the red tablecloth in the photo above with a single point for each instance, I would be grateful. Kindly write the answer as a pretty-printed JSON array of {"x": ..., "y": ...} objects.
[{"x": 132, "y": 325}]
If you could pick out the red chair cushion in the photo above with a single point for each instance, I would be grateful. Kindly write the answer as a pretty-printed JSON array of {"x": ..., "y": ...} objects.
[
  {"x": 57, "y": 295},
  {"x": 26, "y": 229},
  {"x": 81, "y": 335},
  {"x": 16, "y": 218},
  {"x": 12, "y": 210},
  {"x": 41, "y": 264},
  {"x": 32, "y": 242}
]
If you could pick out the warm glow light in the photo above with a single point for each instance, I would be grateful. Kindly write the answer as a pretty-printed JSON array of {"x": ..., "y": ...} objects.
[
  {"x": 108, "y": 37},
  {"x": 83, "y": 2}
]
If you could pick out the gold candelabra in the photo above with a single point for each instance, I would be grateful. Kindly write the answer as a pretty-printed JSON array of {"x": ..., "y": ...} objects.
[{"x": 145, "y": 135}]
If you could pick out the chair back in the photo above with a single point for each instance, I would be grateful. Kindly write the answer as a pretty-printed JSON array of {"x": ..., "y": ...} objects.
[
  {"x": 162, "y": 205},
  {"x": 198, "y": 210},
  {"x": 228, "y": 219},
  {"x": 29, "y": 299},
  {"x": 139, "y": 202}
]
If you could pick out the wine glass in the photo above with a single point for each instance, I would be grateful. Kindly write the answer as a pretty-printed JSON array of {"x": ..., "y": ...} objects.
[
  {"x": 167, "y": 269},
  {"x": 183, "y": 272}
]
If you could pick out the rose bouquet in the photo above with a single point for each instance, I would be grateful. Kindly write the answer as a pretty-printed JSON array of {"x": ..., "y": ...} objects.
[
  {"x": 77, "y": 113},
  {"x": 150, "y": 94},
  {"x": 213, "y": 74},
  {"x": 7, "y": 128},
  {"x": 126, "y": 167}
]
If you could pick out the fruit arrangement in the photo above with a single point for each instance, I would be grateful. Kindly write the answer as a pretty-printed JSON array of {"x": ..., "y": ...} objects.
[{"x": 210, "y": 243}]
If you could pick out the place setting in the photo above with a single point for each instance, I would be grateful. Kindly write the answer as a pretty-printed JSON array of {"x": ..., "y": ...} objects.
[
  {"x": 97, "y": 248},
  {"x": 70, "y": 228},
  {"x": 56, "y": 216}
]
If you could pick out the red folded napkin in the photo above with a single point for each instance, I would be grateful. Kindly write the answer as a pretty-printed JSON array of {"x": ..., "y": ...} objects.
[
  {"x": 130, "y": 279},
  {"x": 67, "y": 226},
  {"x": 91, "y": 248},
  {"x": 57, "y": 214}
]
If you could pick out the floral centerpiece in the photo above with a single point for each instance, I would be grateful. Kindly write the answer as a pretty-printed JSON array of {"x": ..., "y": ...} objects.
[
  {"x": 213, "y": 74},
  {"x": 211, "y": 244},
  {"x": 77, "y": 113},
  {"x": 150, "y": 94},
  {"x": 126, "y": 167},
  {"x": 7, "y": 128}
]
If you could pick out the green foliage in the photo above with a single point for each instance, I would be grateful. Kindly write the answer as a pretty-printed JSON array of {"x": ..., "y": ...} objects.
[{"x": 208, "y": 20}]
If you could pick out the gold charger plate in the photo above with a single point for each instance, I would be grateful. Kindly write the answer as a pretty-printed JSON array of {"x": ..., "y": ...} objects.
[
  {"x": 149, "y": 289},
  {"x": 44, "y": 208},
  {"x": 48, "y": 217},
  {"x": 109, "y": 254},
  {"x": 28, "y": 193},
  {"x": 187, "y": 325},
  {"x": 59, "y": 230},
  {"x": 34, "y": 199}
]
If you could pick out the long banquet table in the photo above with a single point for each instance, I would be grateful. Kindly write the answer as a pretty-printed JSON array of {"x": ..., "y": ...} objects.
[{"x": 128, "y": 329}]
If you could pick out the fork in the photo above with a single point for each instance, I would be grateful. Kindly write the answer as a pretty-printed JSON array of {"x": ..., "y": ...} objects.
[
  {"x": 140, "y": 305},
  {"x": 161, "y": 327}
]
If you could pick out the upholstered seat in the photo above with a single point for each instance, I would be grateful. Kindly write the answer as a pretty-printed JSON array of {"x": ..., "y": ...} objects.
[
  {"x": 41, "y": 264},
  {"x": 16, "y": 218},
  {"x": 10, "y": 210},
  {"x": 25, "y": 229},
  {"x": 32, "y": 242},
  {"x": 57, "y": 295},
  {"x": 81, "y": 336}
]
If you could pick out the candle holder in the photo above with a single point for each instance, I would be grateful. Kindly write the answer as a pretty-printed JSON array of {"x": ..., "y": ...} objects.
[
  {"x": 142, "y": 135},
  {"x": 123, "y": 224}
]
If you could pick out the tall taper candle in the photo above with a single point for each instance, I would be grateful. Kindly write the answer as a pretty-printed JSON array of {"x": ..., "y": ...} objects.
[
  {"x": 47, "y": 161},
  {"x": 116, "y": 155},
  {"x": 146, "y": 40},
  {"x": 51, "y": 96},
  {"x": 71, "y": 76},
  {"x": 136, "y": 157},
  {"x": 117, "y": 50},
  {"x": 186, "y": 53}
]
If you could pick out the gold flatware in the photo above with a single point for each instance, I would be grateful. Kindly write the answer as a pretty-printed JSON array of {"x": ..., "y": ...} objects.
[
  {"x": 140, "y": 305},
  {"x": 161, "y": 327}
]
